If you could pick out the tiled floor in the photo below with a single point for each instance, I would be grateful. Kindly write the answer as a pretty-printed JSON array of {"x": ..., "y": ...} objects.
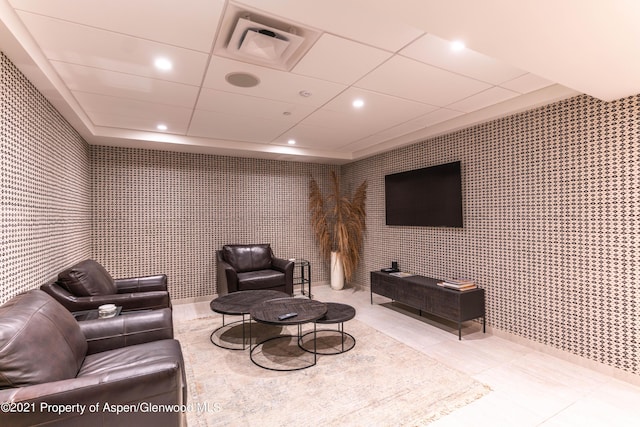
[{"x": 529, "y": 387}]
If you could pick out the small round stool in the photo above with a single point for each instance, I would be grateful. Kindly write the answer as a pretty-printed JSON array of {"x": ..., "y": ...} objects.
[{"x": 336, "y": 314}]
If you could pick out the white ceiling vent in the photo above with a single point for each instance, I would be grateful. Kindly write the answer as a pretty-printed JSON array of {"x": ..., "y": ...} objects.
[{"x": 250, "y": 37}]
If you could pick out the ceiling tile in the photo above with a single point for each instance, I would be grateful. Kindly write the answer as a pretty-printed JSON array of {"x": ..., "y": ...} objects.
[
  {"x": 233, "y": 127},
  {"x": 355, "y": 60},
  {"x": 526, "y": 83},
  {"x": 483, "y": 99},
  {"x": 87, "y": 79},
  {"x": 410, "y": 79},
  {"x": 436, "y": 51},
  {"x": 379, "y": 111},
  {"x": 416, "y": 124},
  {"x": 320, "y": 137},
  {"x": 146, "y": 19},
  {"x": 126, "y": 113},
  {"x": 82, "y": 45},
  {"x": 250, "y": 106},
  {"x": 274, "y": 84}
]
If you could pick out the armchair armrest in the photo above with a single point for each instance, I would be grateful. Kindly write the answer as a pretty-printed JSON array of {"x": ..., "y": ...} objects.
[
  {"x": 285, "y": 266},
  {"x": 142, "y": 284},
  {"x": 157, "y": 382},
  {"x": 282, "y": 264},
  {"x": 131, "y": 301},
  {"x": 127, "y": 329},
  {"x": 226, "y": 275}
]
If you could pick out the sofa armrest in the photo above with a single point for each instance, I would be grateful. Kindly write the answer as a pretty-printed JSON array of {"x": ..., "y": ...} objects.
[
  {"x": 159, "y": 383},
  {"x": 227, "y": 277},
  {"x": 142, "y": 284},
  {"x": 127, "y": 329}
]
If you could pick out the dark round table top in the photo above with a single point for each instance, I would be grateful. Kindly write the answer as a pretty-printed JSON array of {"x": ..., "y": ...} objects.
[
  {"x": 240, "y": 302},
  {"x": 337, "y": 313},
  {"x": 308, "y": 311}
]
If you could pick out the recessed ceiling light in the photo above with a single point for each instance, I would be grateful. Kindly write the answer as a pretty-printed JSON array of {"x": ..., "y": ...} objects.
[
  {"x": 457, "y": 45},
  {"x": 291, "y": 142},
  {"x": 358, "y": 103},
  {"x": 242, "y": 79},
  {"x": 163, "y": 64},
  {"x": 161, "y": 127}
]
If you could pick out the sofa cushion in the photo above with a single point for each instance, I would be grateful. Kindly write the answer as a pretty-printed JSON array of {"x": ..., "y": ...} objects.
[
  {"x": 40, "y": 341},
  {"x": 87, "y": 278},
  {"x": 248, "y": 257}
]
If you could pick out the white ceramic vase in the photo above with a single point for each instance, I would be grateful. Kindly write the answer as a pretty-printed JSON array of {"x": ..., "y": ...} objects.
[{"x": 337, "y": 272}]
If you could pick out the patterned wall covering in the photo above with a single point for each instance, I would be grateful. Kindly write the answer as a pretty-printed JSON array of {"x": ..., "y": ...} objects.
[
  {"x": 552, "y": 223},
  {"x": 157, "y": 211},
  {"x": 46, "y": 185}
]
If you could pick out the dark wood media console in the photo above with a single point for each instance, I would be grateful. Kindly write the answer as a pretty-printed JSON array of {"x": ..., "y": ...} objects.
[{"x": 424, "y": 294}]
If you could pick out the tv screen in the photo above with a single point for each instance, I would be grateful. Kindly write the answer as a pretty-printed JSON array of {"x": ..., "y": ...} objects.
[{"x": 425, "y": 197}]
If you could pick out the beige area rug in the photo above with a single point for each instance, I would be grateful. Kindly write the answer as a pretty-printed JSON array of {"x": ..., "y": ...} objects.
[{"x": 379, "y": 382}]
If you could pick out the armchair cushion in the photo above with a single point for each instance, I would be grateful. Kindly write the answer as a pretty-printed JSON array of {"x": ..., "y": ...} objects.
[
  {"x": 248, "y": 257},
  {"x": 87, "y": 278},
  {"x": 39, "y": 341},
  {"x": 260, "y": 279}
]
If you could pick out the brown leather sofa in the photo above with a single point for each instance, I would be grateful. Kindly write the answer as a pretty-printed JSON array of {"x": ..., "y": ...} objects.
[
  {"x": 55, "y": 371},
  {"x": 246, "y": 267},
  {"x": 87, "y": 285}
]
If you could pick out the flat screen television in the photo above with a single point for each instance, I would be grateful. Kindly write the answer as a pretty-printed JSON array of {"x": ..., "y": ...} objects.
[{"x": 429, "y": 196}]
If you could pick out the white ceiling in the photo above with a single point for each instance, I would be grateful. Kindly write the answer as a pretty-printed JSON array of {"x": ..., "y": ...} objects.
[{"x": 94, "y": 60}]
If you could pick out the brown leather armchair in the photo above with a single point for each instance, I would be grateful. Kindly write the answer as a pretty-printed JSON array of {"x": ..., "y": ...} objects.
[
  {"x": 246, "y": 267},
  {"x": 87, "y": 285},
  {"x": 47, "y": 359}
]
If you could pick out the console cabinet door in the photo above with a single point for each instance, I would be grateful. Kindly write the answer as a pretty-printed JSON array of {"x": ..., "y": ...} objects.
[
  {"x": 446, "y": 303},
  {"x": 383, "y": 284}
]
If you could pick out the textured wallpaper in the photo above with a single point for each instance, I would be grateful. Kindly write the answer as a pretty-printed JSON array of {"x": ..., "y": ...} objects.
[
  {"x": 46, "y": 187},
  {"x": 164, "y": 212},
  {"x": 552, "y": 223}
]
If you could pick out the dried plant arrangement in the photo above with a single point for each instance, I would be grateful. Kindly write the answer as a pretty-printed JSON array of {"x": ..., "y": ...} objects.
[{"x": 339, "y": 222}]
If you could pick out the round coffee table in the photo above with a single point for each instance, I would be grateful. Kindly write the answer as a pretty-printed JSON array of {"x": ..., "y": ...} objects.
[
  {"x": 269, "y": 312},
  {"x": 336, "y": 314},
  {"x": 239, "y": 304}
]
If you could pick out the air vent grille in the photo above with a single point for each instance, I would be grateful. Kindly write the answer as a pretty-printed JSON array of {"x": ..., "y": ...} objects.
[{"x": 249, "y": 36}]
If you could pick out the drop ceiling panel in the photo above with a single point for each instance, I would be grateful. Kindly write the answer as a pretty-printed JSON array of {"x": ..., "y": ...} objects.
[
  {"x": 82, "y": 45},
  {"x": 483, "y": 99},
  {"x": 250, "y": 106},
  {"x": 131, "y": 114},
  {"x": 435, "y": 51},
  {"x": 379, "y": 111},
  {"x": 87, "y": 79},
  {"x": 410, "y": 79},
  {"x": 274, "y": 84},
  {"x": 355, "y": 59},
  {"x": 233, "y": 127},
  {"x": 146, "y": 19},
  {"x": 319, "y": 137},
  {"x": 416, "y": 124},
  {"x": 526, "y": 83}
]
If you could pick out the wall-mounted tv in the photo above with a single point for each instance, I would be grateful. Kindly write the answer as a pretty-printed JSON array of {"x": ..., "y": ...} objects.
[{"x": 425, "y": 197}]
